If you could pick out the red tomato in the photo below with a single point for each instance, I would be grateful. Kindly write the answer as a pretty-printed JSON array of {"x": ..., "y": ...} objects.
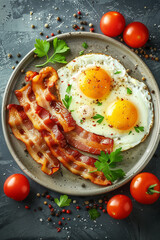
[
  {"x": 112, "y": 24},
  {"x": 136, "y": 34},
  {"x": 145, "y": 188},
  {"x": 17, "y": 187},
  {"x": 119, "y": 206}
]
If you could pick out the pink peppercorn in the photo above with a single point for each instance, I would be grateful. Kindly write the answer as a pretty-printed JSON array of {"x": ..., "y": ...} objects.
[
  {"x": 63, "y": 218},
  {"x": 68, "y": 211},
  {"x": 91, "y": 29},
  {"x": 104, "y": 210},
  {"x": 78, "y": 207},
  {"x": 79, "y": 12},
  {"x": 106, "y": 202},
  {"x": 27, "y": 207},
  {"x": 58, "y": 229},
  {"x": 63, "y": 210},
  {"x": 49, "y": 205},
  {"x": 48, "y": 196},
  {"x": 52, "y": 34},
  {"x": 47, "y": 36},
  {"x": 59, "y": 223},
  {"x": 100, "y": 208}
]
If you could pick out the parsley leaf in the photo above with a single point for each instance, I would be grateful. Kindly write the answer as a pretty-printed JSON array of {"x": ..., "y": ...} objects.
[
  {"x": 129, "y": 91},
  {"x": 139, "y": 129},
  {"x": 60, "y": 49},
  {"x": 81, "y": 121},
  {"x": 99, "y": 103},
  {"x": 42, "y": 47},
  {"x": 81, "y": 53},
  {"x": 98, "y": 116},
  {"x": 106, "y": 162},
  {"x": 93, "y": 213},
  {"x": 68, "y": 89},
  {"x": 63, "y": 202},
  {"x": 67, "y": 101},
  {"x": 117, "y": 72},
  {"x": 85, "y": 45}
]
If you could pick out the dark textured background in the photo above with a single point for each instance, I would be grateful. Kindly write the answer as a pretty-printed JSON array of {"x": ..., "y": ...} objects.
[{"x": 16, "y": 35}]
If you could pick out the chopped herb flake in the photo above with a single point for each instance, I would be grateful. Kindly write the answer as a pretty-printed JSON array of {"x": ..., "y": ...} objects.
[
  {"x": 98, "y": 116},
  {"x": 81, "y": 53},
  {"x": 85, "y": 45},
  {"x": 117, "y": 72},
  {"x": 68, "y": 89},
  {"x": 129, "y": 91},
  {"x": 93, "y": 213},
  {"x": 139, "y": 129}
]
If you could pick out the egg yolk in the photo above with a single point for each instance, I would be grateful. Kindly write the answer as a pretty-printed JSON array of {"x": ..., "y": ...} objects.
[
  {"x": 95, "y": 83},
  {"x": 122, "y": 115}
]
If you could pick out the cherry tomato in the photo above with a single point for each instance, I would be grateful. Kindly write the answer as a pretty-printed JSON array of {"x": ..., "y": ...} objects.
[
  {"x": 112, "y": 24},
  {"x": 17, "y": 187},
  {"x": 119, "y": 206},
  {"x": 145, "y": 188},
  {"x": 136, "y": 34}
]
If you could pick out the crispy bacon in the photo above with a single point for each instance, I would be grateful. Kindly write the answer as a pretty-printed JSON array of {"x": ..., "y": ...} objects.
[
  {"x": 77, "y": 137},
  {"x": 73, "y": 160},
  {"x": 88, "y": 142},
  {"x": 23, "y": 130},
  {"x": 42, "y": 85},
  {"x": 77, "y": 163},
  {"x": 42, "y": 120}
]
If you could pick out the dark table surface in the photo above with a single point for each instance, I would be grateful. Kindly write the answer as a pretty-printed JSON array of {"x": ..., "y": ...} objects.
[{"x": 17, "y": 36}]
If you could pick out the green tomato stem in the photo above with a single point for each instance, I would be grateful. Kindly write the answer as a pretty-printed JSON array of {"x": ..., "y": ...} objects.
[{"x": 151, "y": 189}]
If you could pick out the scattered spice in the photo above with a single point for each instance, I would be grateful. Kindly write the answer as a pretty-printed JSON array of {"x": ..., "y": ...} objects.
[
  {"x": 47, "y": 36},
  {"x": 52, "y": 34},
  {"x": 82, "y": 28},
  {"x": 46, "y": 25},
  {"x": 153, "y": 92},
  {"x": 58, "y": 31},
  {"x": 22, "y": 70},
  {"x": 59, "y": 223},
  {"x": 41, "y": 33},
  {"x": 13, "y": 67},
  {"x": 27, "y": 207},
  {"x": 32, "y": 26},
  {"x": 78, "y": 207},
  {"x": 90, "y": 25},
  {"x": 75, "y": 15},
  {"x": 49, "y": 219},
  {"x": 38, "y": 194},
  {"x": 79, "y": 12},
  {"x": 45, "y": 202},
  {"x": 10, "y": 55},
  {"x": 58, "y": 229},
  {"x": 143, "y": 78},
  {"x": 31, "y": 13},
  {"x": 18, "y": 55},
  {"x": 68, "y": 211},
  {"x": 91, "y": 29},
  {"x": 58, "y": 19}
]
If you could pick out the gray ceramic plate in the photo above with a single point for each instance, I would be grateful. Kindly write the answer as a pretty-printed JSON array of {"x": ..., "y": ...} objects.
[{"x": 134, "y": 159}]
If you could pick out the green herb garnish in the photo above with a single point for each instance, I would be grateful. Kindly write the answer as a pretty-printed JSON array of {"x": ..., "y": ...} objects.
[
  {"x": 81, "y": 53},
  {"x": 63, "y": 202},
  {"x": 98, "y": 116},
  {"x": 81, "y": 121},
  {"x": 60, "y": 49},
  {"x": 129, "y": 91},
  {"x": 129, "y": 132},
  {"x": 93, "y": 213},
  {"x": 117, "y": 72},
  {"x": 139, "y": 129},
  {"x": 67, "y": 101},
  {"x": 99, "y": 103},
  {"x": 85, "y": 45},
  {"x": 68, "y": 89},
  {"x": 106, "y": 162}
]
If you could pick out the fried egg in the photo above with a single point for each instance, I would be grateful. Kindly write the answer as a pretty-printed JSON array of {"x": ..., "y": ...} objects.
[{"x": 105, "y": 100}]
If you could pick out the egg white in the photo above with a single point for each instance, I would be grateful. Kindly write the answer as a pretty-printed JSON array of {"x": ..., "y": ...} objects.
[{"x": 140, "y": 97}]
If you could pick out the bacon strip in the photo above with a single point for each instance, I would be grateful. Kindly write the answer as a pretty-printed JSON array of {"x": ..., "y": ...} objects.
[
  {"x": 75, "y": 136},
  {"x": 77, "y": 163},
  {"x": 42, "y": 120},
  {"x": 73, "y": 160},
  {"x": 88, "y": 142},
  {"x": 23, "y": 130},
  {"x": 41, "y": 85}
]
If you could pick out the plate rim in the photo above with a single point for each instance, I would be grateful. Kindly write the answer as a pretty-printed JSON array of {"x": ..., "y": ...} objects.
[{"x": 30, "y": 174}]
